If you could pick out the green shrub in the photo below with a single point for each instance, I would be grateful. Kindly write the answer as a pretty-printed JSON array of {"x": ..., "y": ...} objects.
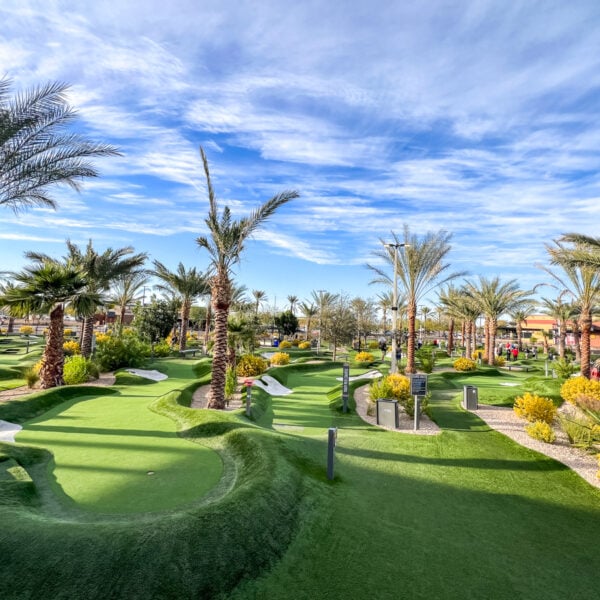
[
  {"x": 78, "y": 369},
  {"x": 251, "y": 365},
  {"x": 535, "y": 408},
  {"x": 499, "y": 361},
  {"x": 540, "y": 430},
  {"x": 464, "y": 364},
  {"x": 230, "y": 383},
  {"x": 116, "y": 352},
  {"x": 426, "y": 357},
  {"x": 32, "y": 376},
  {"x": 162, "y": 349},
  {"x": 395, "y": 387},
  {"x": 563, "y": 368},
  {"x": 373, "y": 345},
  {"x": 280, "y": 358}
]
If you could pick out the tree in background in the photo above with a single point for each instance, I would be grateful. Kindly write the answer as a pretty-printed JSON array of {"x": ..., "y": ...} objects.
[
  {"x": 124, "y": 291},
  {"x": 225, "y": 244},
  {"x": 36, "y": 150},
  {"x": 153, "y": 322},
  {"x": 287, "y": 323}
]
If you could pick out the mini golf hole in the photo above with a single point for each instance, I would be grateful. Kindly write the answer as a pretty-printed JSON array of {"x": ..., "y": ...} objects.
[{"x": 150, "y": 473}]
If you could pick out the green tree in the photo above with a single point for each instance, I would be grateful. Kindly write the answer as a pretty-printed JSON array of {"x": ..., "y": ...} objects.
[
  {"x": 339, "y": 323},
  {"x": 124, "y": 291},
  {"x": 37, "y": 151},
  {"x": 287, "y": 323},
  {"x": 186, "y": 285},
  {"x": 225, "y": 244},
  {"x": 309, "y": 311},
  {"x": 153, "y": 322},
  {"x": 48, "y": 287}
]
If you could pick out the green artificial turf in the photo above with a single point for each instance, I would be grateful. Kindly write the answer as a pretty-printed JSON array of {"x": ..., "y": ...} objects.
[
  {"x": 112, "y": 454},
  {"x": 463, "y": 514}
]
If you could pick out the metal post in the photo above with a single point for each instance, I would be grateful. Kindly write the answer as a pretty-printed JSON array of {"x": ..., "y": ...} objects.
[
  {"x": 417, "y": 413},
  {"x": 248, "y": 384},
  {"x": 345, "y": 386},
  {"x": 331, "y": 439}
]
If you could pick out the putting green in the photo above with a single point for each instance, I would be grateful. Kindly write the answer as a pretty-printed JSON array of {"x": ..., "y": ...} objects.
[{"x": 113, "y": 455}]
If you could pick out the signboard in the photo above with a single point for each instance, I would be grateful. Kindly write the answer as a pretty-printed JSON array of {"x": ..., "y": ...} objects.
[
  {"x": 387, "y": 413},
  {"x": 418, "y": 384}
]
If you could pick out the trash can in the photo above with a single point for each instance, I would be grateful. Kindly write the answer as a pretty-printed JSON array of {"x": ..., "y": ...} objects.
[
  {"x": 387, "y": 413},
  {"x": 470, "y": 397},
  {"x": 275, "y": 343}
]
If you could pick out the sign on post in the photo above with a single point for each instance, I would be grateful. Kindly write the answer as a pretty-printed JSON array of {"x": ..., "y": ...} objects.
[
  {"x": 418, "y": 388},
  {"x": 331, "y": 441},
  {"x": 345, "y": 386}
]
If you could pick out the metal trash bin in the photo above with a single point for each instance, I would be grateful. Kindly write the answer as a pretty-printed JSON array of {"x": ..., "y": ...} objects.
[
  {"x": 387, "y": 413},
  {"x": 470, "y": 397}
]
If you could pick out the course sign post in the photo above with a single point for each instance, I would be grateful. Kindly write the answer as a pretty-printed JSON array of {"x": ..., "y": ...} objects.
[
  {"x": 418, "y": 388},
  {"x": 248, "y": 384},
  {"x": 345, "y": 386},
  {"x": 331, "y": 442}
]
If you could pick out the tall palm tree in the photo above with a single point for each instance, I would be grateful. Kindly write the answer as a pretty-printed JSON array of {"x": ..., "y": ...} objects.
[
  {"x": 36, "y": 151},
  {"x": 519, "y": 314},
  {"x": 585, "y": 251},
  {"x": 324, "y": 302},
  {"x": 187, "y": 285},
  {"x": 260, "y": 297},
  {"x": 385, "y": 301},
  {"x": 561, "y": 312},
  {"x": 125, "y": 290},
  {"x": 100, "y": 270},
  {"x": 225, "y": 245},
  {"x": 494, "y": 298},
  {"x": 583, "y": 283},
  {"x": 421, "y": 268},
  {"x": 293, "y": 300},
  {"x": 459, "y": 305},
  {"x": 309, "y": 310},
  {"x": 48, "y": 287}
]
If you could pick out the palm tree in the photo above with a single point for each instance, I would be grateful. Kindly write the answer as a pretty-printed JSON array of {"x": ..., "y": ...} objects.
[
  {"x": 124, "y": 291},
  {"x": 260, "y": 297},
  {"x": 48, "y": 287},
  {"x": 583, "y": 283},
  {"x": 519, "y": 314},
  {"x": 225, "y": 245},
  {"x": 385, "y": 303},
  {"x": 561, "y": 312},
  {"x": 187, "y": 285},
  {"x": 421, "y": 269},
  {"x": 309, "y": 310},
  {"x": 99, "y": 270},
  {"x": 459, "y": 305},
  {"x": 324, "y": 302},
  {"x": 494, "y": 298},
  {"x": 293, "y": 300},
  {"x": 585, "y": 251},
  {"x": 36, "y": 152}
]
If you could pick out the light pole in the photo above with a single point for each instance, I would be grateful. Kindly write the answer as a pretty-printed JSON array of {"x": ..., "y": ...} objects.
[
  {"x": 320, "y": 319},
  {"x": 394, "y": 361}
]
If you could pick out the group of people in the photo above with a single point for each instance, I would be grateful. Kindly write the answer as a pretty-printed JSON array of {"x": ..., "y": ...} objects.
[{"x": 511, "y": 352}]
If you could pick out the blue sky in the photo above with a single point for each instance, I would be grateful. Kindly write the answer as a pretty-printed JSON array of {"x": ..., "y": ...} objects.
[{"x": 480, "y": 118}]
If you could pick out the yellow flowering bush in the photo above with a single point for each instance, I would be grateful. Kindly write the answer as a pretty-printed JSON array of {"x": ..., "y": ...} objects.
[
  {"x": 295, "y": 343},
  {"x": 464, "y": 364},
  {"x": 71, "y": 348},
  {"x": 364, "y": 357},
  {"x": 68, "y": 332},
  {"x": 250, "y": 365},
  {"x": 285, "y": 344},
  {"x": 535, "y": 408},
  {"x": 102, "y": 338},
  {"x": 579, "y": 386},
  {"x": 304, "y": 345},
  {"x": 280, "y": 358},
  {"x": 499, "y": 361},
  {"x": 26, "y": 330},
  {"x": 540, "y": 430}
]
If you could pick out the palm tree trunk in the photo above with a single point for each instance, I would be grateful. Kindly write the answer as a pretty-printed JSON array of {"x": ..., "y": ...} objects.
[
  {"x": 519, "y": 336},
  {"x": 10, "y": 325},
  {"x": 493, "y": 328},
  {"x": 586, "y": 327},
  {"x": 468, "y": 339},
  {"x": 185, "y": 317},
  {"x": 451, "y": 336},
  {"x": 51, "y": 371},
  {"x": 410, "y": 347},
  {"x": 87, "y": 331},
  {"x": 221, "y": 291},
  {"x": 207, "y": 326}
]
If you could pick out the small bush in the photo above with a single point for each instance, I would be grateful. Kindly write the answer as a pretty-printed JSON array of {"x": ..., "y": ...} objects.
[
  {"x": 101, "y": 338},
  {"x": 373, "y": 345},
  {"x": 32, "y": 376},
  {"x": 540, "y": 430},
  {"x": 250, "y": 365},
  {"x": 426, "y": 357},
  {"x": 68, "y": 333},
  {"x": 364, "y": 357},
  {"x": 535, "y": 408},
  {"x": 230, "y": 384},
  {"x": 304, "y": 345},
  {"x": 395, "y": 387},
  {"x": 78, "y": 369},
  {"x": 285, "y": 344},
  {"x": 71, "y": 348},
  {"x": 26, "y": 330},
  {"x": 280, "y": 358},
  {"x": 295, "y": 343},
  {"x": 464, "y": 364},
  {"x": 117, "y": 352},
  {"x": 499, "y": 361},
  {"x": 563, "y": 368},
  {"x": 162, "y": 349},
  {"x": 579, "y": 386}
]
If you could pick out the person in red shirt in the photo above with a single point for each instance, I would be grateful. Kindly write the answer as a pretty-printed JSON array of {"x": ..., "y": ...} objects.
[{"x": 515, "y": 353}]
